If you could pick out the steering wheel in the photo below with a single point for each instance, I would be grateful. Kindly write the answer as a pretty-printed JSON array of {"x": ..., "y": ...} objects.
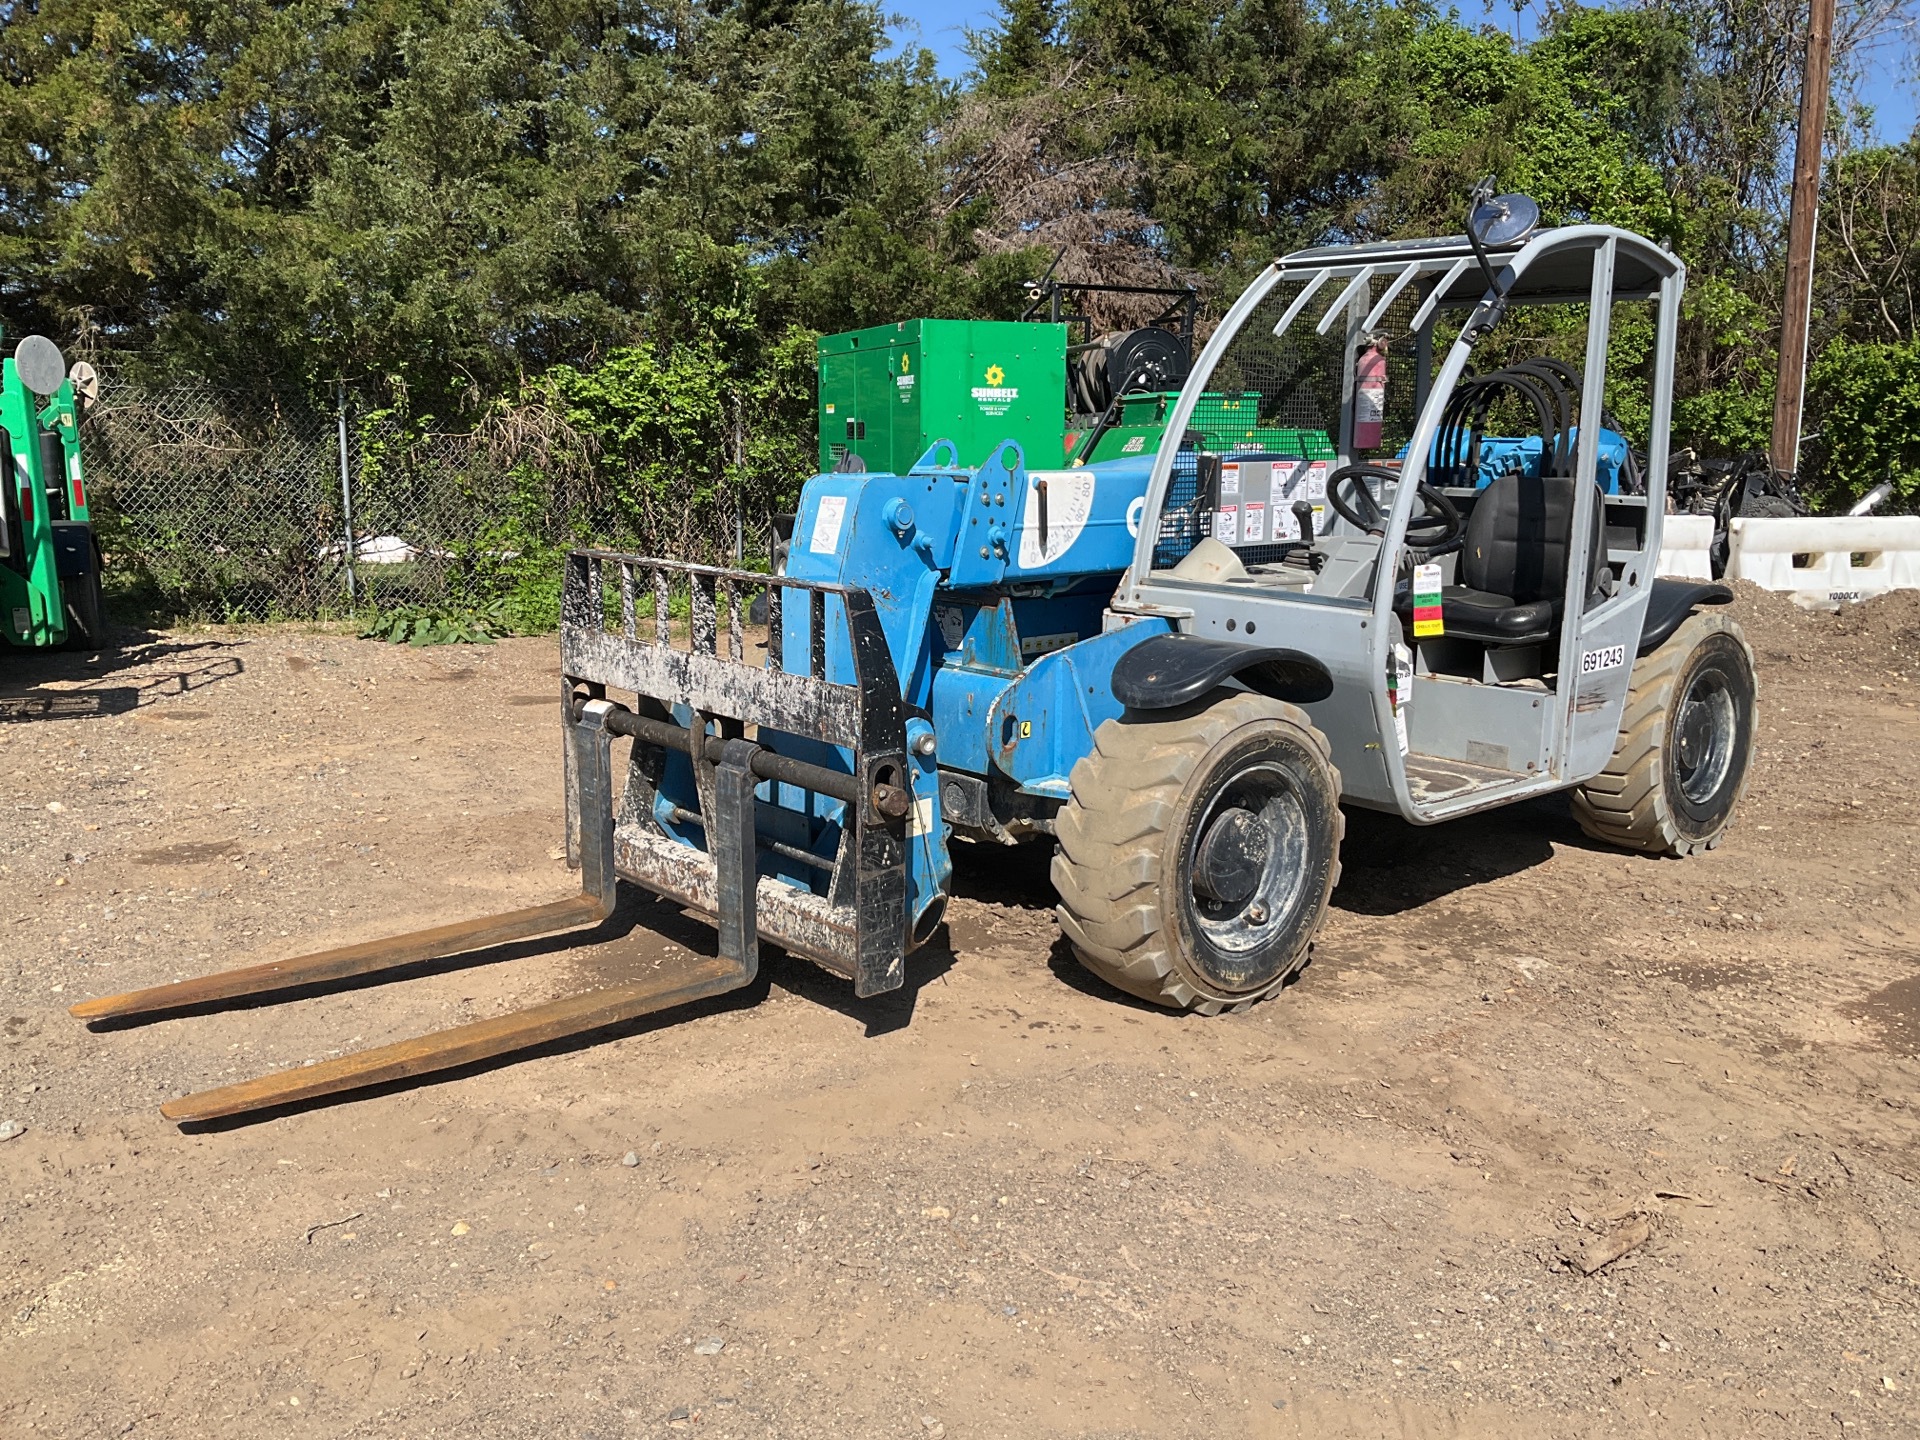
[{"x": 1436, "y": 527}]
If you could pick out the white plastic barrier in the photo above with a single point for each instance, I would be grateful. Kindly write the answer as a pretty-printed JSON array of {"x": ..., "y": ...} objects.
[
  {"x": 1824, "y": 561},
  {"x": 1684, "y": 543}
]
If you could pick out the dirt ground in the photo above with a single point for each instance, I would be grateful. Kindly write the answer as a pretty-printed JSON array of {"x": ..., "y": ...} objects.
[{"x": 1003, "y": 1201}]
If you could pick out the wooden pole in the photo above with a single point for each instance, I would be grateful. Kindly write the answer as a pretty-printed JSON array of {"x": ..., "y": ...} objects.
[{"x": 1802, "y": 221}]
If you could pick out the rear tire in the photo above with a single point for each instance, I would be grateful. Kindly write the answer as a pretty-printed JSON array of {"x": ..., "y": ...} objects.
[
  {"x": 86, "y": 609},
  {"x": 1685, "y": 750},
  {"x": 1198, "y": 850}
]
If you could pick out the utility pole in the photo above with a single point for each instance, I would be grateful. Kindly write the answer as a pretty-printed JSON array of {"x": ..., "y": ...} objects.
[{"x": 1803, "y": 218}]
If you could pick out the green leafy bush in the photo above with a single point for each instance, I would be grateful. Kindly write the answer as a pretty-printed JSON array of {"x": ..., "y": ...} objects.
[
  {"x": 1864, "y": 400},
  {"x": 425, "y": 625}
]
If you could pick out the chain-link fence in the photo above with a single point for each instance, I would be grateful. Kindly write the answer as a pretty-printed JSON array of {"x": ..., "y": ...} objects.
[
  {"x": 205, "y": 508},
  {"x": 211, "y": 504}
]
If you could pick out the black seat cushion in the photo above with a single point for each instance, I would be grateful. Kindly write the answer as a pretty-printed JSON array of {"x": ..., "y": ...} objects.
[
  {"x": 1514, "y": 562},
  {"x": 1496, "y": 619}
]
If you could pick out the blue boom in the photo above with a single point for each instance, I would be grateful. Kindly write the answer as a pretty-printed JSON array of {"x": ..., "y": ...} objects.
[{"x": 989, "y": 587}]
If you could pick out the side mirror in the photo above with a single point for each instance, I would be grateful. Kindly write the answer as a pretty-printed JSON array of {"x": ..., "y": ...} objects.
[
  {"x": 1498, "y": 220},
  {"x": 40, "y": 365},
  {"x": 86, "y": 381},
  {"x": 1501, "y": 219}
]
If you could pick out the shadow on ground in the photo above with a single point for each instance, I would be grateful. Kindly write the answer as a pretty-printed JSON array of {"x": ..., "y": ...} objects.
[
  {"x": 138, "y": 670},
  {"x": 1390, "y": 867}
]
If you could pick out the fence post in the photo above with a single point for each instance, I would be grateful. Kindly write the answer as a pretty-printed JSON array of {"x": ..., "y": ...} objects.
[
  {"x": 346, "y": 491},
  {"x": 739, "y": 470}
]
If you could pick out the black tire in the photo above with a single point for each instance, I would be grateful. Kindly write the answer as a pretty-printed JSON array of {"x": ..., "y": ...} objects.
[
  {"x": 1685, "y": 750},
  {"x": 1768, "y": 507},
  {"x": 86, "y": 609},
  {"x": 1245, "y": 777}
]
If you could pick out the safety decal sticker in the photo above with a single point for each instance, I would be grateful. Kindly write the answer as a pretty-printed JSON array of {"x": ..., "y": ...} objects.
[
  {"x": 1069, "y": 501},
  {"x": 1254, "y": 526},
  {"x": 1611, "y": 658},
  {"x": 1288, "y": 481},
  {"x": 920, "y": 817},
  {"x": 1427, "y": 619},
  {"x": 1399, "y": 692},
  {"x": 827, "y": 523},
  {"x": 1226, "y": 524}
]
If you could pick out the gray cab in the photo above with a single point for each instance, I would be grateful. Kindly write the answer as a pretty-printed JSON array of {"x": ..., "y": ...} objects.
[{"x": 1544, "y": 528}]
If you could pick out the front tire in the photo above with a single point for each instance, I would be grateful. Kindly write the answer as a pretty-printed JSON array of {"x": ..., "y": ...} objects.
[
  {"x": 1685, "y": 750},
  {"x": 1199, "y": 849}
]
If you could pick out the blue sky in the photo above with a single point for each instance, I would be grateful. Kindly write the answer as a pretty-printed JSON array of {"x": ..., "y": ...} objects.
[{"x": 940, "y": 25}]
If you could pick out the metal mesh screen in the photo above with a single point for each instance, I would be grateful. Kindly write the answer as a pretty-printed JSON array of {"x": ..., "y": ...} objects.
[
  {"x": 1271, "y": 413},
  {"x": 1269, "y": 397}
]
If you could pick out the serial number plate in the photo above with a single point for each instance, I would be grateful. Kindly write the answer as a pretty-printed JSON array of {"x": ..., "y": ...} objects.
[{"x": 1611, "y": 658}]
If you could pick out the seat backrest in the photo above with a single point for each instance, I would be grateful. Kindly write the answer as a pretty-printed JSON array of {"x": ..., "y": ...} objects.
[{"x": 1518, "y": 534}]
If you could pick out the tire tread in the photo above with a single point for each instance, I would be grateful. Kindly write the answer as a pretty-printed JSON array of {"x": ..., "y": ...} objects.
[
  {"x": 1626, "y": 803},
  {"x": 1125, "y": 797}
]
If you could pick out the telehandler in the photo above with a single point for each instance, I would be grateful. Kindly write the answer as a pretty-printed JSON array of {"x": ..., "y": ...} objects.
[{"x": 1175, "y": 666}]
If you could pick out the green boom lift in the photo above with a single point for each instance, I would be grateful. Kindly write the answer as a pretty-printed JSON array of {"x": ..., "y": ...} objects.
[{"x": 49, "y": 558}]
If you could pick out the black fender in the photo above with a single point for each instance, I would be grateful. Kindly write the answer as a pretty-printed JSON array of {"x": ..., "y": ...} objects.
[
  {"x": 1176, "y": 669},
  {"x": 74, "y": 550},
  {"x": 1670, "y": 604}
]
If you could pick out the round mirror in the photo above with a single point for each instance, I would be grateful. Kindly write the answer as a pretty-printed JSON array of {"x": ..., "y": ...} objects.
[
  {"x": 86, "y": 381},
  {"x": 40, "y": 365},
  {"x": 1504, "y": 219}
]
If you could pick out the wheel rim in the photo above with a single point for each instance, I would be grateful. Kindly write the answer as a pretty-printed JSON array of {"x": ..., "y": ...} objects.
[
  {"x": 1706, "y": 731},
  {"x": 1251, "y": 854}
]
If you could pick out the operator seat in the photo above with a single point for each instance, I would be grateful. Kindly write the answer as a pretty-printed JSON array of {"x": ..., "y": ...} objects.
[{"x": 1514, "y": 562}]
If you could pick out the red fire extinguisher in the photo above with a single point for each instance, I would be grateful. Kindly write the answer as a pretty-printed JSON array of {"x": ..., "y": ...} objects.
[{"x": 1369, "y": 396}]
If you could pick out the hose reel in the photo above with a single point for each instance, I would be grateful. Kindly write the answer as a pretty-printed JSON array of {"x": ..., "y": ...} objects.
[{"x": 1120, "y": 361}]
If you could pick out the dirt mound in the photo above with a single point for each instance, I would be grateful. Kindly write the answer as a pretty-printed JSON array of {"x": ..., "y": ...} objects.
[{"x": 1878, "y": 637}]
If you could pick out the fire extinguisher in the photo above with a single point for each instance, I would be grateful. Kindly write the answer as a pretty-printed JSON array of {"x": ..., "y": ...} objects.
[{"x": 1369, "y": 396}]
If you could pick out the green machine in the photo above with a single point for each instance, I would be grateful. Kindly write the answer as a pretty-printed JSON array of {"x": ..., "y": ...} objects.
[
  {"x": 888, "y": 392},
  {"x": 49, "y": 558},
  {"x": 1067, "y": 395}
]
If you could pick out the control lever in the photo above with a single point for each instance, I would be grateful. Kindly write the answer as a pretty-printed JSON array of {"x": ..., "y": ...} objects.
[{"x": 1303, "y": 513}]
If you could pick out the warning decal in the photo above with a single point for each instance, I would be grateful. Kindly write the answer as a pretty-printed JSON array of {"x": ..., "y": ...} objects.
[
  {"x": 827, "y": 523},
  {"x": 1254, "y": 528}
]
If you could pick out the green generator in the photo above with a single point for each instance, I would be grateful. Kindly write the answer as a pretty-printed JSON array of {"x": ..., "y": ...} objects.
[
  {"x": 889, "y": 392},
  {"x": 49, "y": 558}
]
